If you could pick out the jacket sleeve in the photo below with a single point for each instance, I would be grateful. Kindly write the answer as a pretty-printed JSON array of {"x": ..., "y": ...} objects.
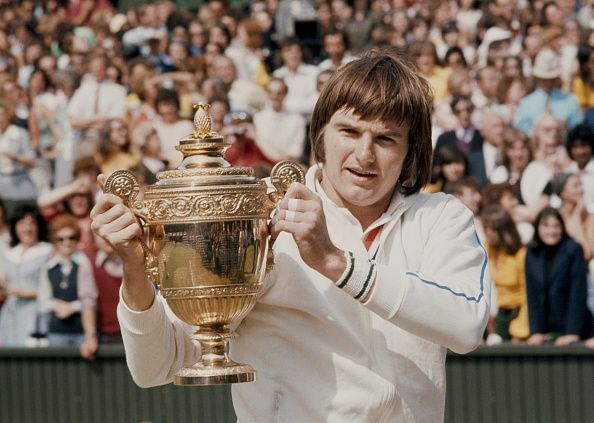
[
  {"x": 446, "y": 299},
  {"x": 157, "y": 344},
  {"x": 578, "y": 290},
  {"x": 534, "y": 295}
]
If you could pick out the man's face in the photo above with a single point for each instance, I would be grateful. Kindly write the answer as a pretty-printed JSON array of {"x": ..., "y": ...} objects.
[
  {"x": 334, "y": 46},
  {"x": 493, "y": 130},
  {"x": 363, "y": 161},
  {"x": 463, "y": 111},
  {"x": 291, "y": 56},
  {"x": 488, "y": 81},
  {"x": 225, "y": 70},
  {"x": 276, "y": 94},
  {"x": 581, "y": 152}
]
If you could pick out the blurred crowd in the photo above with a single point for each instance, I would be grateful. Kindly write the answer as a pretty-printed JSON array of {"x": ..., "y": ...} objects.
[{"x": 91, "y": 86}]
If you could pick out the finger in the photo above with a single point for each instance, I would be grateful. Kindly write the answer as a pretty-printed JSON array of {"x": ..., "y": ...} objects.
[
  {"x": 290, "y": 215},
  {"x": 101, "y": 180},
  {"x": 284, "y": 226},
  {"x": 114, "y": 228},
  {"x": 124, "y": 236},
  {"x": 298, "y": 190},
  {"x": 104, "y": 203},
  {"x": 290, "y": 202},
  {"x": 115, "y": 212}
]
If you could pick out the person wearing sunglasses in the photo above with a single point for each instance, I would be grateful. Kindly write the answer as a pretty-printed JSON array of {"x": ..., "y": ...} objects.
[{"x": 68, "y": 293}]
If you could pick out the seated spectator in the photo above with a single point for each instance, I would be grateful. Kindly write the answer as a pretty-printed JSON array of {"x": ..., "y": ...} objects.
[
  {"x": 4, "y": 247},
  {"x": 280, "y": 135},
  {"x": 459, "y": 86},
  {"x": 547, "y": 97},
  {"x": 578, "y": 223},
  {"x": 335, "y": 47},
  {"x": 170, "y": 129},
  {"x": 108, "y": 271},
  {"x": 244, "y": 95},
  {"x": 67, "y": 291},
  {"x": 299, "y": 77},
  {"x": 246, "y": 54},
  {"x": 506, "y": 263},
  {"x": 451, "y": 166},
  {"x": 580, "y": 144},
  {"x": 482, "y": 162},
  {"x": 556, "y": 284},
  {"x": 23, "y": 267},
  {"x": 468, "y": 190},
  {"x": 504, "y": 195},
  {"x": 583, "y": 85},
  {"x": 239, "y": 131},
  {"x": 425, "y": 56},
  {"x": 115, "y": 150},
  {"x": 510, "y": 91},
  {"x": 550, "y": 159},
  {"x": 464, "y": 136},
  {"x": 16, "y": 158},
  {"x": 516, "y": 154}
]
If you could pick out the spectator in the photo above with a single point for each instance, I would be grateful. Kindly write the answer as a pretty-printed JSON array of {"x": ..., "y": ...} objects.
[
  {"x": 578, "y": 223},
  {"x": 16, "y": 158},
  {"x": 580, "y": 144},
  {"x": 115, "y": 150},
  {"x": 299, "y": 77},
  {"x": 556, "y": 284},
  {"x": 335, "y": 46},
  {"x": 170, "y": 129},
  {"x": 465, "y": 137},
  {"x": 547, "y": 97},
  {"x": 107, "y": 271},
  {"x": 67, "y": 291},
  {"x": 468, "y": 191},
  {"x": 482, "y": 162},
  {"x": 94, "y": 103},
  {"x": 244, "y": 95},
  {"x": 450, "y": 165},
  {"x": 23, "y": 266},
  {"x": 245, "y": 53},
  {"x": 506, "y": 259},
  {"x": 583, "y": 85},
  {"x": 425, "y": 56},
  {"x": 279, "y": 135}
]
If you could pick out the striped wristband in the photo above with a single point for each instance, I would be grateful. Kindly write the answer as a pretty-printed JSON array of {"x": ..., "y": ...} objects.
[{"x": 358, "y": 276}]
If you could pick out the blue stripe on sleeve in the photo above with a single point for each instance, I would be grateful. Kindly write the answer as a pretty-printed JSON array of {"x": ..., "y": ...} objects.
[{"x": 461, "y": 294}]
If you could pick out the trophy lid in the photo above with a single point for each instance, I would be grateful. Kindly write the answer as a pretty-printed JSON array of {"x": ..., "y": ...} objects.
[
  {"x": 204, "y": 187},
  {"x": 203, "y": 162}
]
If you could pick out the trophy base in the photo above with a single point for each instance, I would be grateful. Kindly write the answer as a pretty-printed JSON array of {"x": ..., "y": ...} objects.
[{"x": 201, "y": 375}]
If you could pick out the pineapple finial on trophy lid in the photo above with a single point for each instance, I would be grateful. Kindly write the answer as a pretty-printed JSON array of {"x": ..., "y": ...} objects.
[{"x": 202, "y": 121}]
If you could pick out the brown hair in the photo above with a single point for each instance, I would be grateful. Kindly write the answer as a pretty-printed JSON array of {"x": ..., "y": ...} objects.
[
  {"x": 382, "y": 85},
  {"x": 492, "y": 193},
  {"x": 501, "y": 222},
  {"x": 510, "y": 137},
  {"x": 254, "y": 35},
  {"x": 63, "y": 221}
]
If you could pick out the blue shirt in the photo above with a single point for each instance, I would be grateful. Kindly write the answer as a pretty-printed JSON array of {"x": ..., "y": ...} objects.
[{"x": 563, "y": 106}]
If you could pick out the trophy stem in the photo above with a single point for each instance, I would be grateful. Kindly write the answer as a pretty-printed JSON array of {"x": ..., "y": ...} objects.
[{"x": 215, "y": 367}]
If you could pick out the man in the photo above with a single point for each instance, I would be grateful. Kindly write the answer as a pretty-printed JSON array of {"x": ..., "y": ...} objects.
[
  {"x": 280, "y": 135},
  {"x": 244, "y": 95},
  {"x": 95, "y": 102},
  {"x": 354, "y": 321},
  {"x": 482, "y": 162},
  {"x": 335, "y": 46},
  {"x": 299, "y": 77},
  {"x": 547, "y": 96},
  {"x": 580, "y": 145}
]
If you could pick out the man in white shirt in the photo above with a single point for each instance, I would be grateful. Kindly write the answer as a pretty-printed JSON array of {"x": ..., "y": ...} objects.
[
  {"x": 373, "y": 280},
  {"x": 335, "y": 47},
  {"x": 280, "y": 135},
  {"x": 299, "y": 77},
  {"x": 95, "y": 101}
]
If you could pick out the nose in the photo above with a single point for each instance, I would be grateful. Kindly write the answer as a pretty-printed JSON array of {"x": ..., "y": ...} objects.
[{"x": 365, "y": 153}]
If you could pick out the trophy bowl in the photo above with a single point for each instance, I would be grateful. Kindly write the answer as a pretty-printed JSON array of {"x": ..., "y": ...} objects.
[{"x": 207, "y": 243}]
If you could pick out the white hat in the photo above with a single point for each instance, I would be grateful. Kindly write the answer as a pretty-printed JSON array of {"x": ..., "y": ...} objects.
[
  {"x": 492, "y": 35},
  {"x": 547, "y": 65}
]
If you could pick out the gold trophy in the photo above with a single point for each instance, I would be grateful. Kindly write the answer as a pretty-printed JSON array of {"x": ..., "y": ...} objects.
[{"x": 207, "y": 245}]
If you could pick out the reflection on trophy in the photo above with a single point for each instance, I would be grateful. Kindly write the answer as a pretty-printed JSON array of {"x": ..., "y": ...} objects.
[{"x": 207, "y": 243}]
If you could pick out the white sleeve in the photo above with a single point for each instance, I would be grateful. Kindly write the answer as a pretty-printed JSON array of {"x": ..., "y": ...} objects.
[
  {"x": 156, "y": 346},
  {"x": 44, "y": 294},
  {"x": 445, "y": 300}
]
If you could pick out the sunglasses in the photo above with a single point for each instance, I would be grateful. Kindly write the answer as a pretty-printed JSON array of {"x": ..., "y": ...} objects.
[{"x": 67, "y": 238}]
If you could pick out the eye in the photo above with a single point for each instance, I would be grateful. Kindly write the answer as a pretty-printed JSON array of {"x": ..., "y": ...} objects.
[{"x": 348, "y": 131}]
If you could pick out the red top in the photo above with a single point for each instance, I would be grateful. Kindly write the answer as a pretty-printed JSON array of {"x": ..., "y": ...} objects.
[{"x": 108, "y": 288}]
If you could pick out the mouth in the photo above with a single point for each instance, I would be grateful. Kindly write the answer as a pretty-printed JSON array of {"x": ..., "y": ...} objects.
[{"x": 361, "y": 174}]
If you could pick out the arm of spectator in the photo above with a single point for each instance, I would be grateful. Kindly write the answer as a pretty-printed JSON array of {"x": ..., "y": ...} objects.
[
  {"x": 86, "y": 123},
  {"x": 578, "y": 290},
  {"x": 534, "y": 295},
  {"x": 34, "y": 132},
  {"x": 89, "y": 322},
  {"x": 44, "y": 298},
  {"x": 56, "y": 196}
]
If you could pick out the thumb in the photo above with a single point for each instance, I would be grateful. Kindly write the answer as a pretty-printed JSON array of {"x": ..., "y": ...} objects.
[{"x": 101, "y": 180}]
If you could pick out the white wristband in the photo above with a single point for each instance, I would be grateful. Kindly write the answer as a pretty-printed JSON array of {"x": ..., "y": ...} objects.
[{"x": 358, "y": 276}]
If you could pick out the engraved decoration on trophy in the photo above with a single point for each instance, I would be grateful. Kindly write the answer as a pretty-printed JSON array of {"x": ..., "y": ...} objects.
[{"x": 207, "y": 245}]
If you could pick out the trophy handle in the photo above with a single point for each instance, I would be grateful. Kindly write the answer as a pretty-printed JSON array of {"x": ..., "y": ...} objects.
[
  {"x": 123, "y": 183},
  {"x": 283, "y": 174}
]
